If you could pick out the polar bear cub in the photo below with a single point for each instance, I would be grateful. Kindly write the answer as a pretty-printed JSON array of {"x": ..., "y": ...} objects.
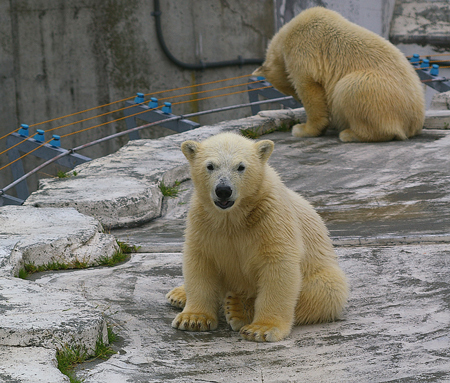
[
  {"x": 252, "y": 245},
  {"x": 347, "y": 77}
]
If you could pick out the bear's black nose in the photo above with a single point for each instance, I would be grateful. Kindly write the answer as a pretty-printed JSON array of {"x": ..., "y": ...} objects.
[{"x": 223, "y": 192}]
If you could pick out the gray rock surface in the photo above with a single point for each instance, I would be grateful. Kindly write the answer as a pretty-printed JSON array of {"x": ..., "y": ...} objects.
[
  {"x": 33, "y": 315},
  {"x": 392, "y": 198},
  {"x": 35, "y": 320},
  {"x": 37, "y": 365},
  {"x": 395, "y": 327},
  {"x": 41, "y": 236}
]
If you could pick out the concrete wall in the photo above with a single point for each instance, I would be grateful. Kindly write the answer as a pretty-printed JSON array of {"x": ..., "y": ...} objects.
[
  {"x": 59, "y": 57},
  {"x": 373, "y": 15}
]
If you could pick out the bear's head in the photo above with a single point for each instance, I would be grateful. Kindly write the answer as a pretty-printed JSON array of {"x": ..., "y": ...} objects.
[{"x": 227, "y": 168}]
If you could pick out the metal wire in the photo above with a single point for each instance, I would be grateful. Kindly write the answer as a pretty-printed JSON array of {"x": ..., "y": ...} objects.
[{"x": 84, "y": 146}]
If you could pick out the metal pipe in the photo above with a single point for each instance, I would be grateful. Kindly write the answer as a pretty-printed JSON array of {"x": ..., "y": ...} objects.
[
  {"x": 25, "y": 176},
  {"x": 202, "y": 65}
]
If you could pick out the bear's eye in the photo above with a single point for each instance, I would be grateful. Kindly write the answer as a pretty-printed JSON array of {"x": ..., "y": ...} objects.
[
  {"x": 241, "y": 168},
  {"x": 210, "y": 167}
]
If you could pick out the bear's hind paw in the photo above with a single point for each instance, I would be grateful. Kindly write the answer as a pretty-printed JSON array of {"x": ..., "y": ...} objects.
[
  {"x": 238, "y": 312},
  {"x": 194, "y": 322},
  {"x": 349, "y": 135},
  {"x": 263, "y": 333}
]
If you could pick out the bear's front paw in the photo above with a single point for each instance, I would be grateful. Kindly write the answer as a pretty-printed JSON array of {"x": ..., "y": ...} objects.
[
  {"x": 177, "y": 297},
  {"x": 238, "y": 313},
  {"x": 303, "y": 130},
  {"x": 263, "y": 332},
  {"x": 195, "y": 322}
]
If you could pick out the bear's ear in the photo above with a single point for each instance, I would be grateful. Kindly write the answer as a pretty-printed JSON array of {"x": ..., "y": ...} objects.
[
  {"x": 189, "y": 149},
  {"x": 264, "y": 149}
]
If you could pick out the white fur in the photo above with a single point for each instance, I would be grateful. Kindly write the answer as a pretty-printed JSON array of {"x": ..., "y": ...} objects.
[
  {"x": 268, "y": 258},
  {"x": 347, "y": 77}
]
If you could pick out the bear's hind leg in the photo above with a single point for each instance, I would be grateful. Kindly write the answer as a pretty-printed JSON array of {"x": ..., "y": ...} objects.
[
  {"x": 322, "y": 297},
  {"x": 238, "y": 310},
  {"x": 367, "y": 107},
  {"x": 177, "y": 297},
  {"x": 362, "y": 135}
]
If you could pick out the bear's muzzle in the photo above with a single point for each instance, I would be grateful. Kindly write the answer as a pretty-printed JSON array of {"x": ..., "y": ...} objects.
[{"x": 223, "y": 193}]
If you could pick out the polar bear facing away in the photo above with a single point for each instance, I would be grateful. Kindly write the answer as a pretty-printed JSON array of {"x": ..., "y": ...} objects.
[
  {"x": 253, "y": 246},
  {"x": 347, "y": 77}
]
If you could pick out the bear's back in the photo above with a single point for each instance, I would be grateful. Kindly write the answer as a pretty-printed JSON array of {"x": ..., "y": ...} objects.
[{"x": 322, "y": 31}]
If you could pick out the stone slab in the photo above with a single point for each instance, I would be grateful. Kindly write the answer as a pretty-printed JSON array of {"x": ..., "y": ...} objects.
[
  {"x": 371, "y": 189},
  {"x": 33, "y": 315},
  {"x": 45, "y": 235},
  {"x": 29, "y": 365},
  {"x": 395, "y": 328},
  {"x": 421, "y": 22}
]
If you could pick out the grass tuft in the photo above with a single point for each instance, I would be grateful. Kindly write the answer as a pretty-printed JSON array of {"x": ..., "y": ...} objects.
[
  {"x": 170, "y": 191},
  {"x": 63, "y": 174},
  {"x": 119, "y": 256},
  {"x": 113, "y": 260},
  {"x": 69, "y": 357},
  {"x": 126, "y": 248}
]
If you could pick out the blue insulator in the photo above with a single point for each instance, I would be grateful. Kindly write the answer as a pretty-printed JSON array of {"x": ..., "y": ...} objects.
[
  {"x": 167, "y": 108},
  {"x": 260, "y": 78},
  {"x": 153, "y": 103},
  {"x": 415, "y": 59},
  {"x": 139, "y": 98},
  {"x": 23, "y": 131},
  {"x": 56, "y": 141},
  {"x": 425, "y": 64},
  {"x": 434, "y": 70},
  {"x": 39, "y": 136}
]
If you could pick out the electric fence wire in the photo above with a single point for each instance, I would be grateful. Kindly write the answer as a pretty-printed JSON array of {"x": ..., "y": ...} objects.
[
  {"x": 132, "y": 115},
  {"x": 84, "y": 146},
  {"x": 127, "y": 107}
]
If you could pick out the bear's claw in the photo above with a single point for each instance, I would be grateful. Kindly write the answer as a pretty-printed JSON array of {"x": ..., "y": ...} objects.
[
  {"x": 262, "y": 333},
  {"x": 194, "y": 322},
  {"x": 238, "y": 312},
  {"x": 177, "y": 297}
]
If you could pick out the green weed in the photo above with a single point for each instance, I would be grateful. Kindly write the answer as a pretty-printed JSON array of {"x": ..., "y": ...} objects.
[
  {"x": 170, "y": 191},
  {"x": 119, "y": 256},
  {"x": 126, "y": 248},
  {"x": 69, "y": 357},
  {"x": 251, "y": 133},
  {"x": 62, "y": 174},
  {"x": 113, "y": 260},
  {"x": 23, "y": 274}
]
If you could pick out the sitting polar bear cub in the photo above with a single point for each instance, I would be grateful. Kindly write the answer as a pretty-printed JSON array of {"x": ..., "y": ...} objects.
[
  {"x": 253, "y": 245},
  {"x": 347, "y": 77}
]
